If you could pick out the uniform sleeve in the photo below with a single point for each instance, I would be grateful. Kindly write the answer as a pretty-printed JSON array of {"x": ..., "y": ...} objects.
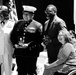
[
  {"x": 40, "y": 35},
  {"x": 37, "y": 40},
  {"x": 13, "y": 34},
  {"x": 41, "y": 28}
]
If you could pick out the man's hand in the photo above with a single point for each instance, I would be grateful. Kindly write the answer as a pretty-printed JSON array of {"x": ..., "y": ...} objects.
[
  {"x": 46, "y": 40},
  {"x": 16, "y": 46}
]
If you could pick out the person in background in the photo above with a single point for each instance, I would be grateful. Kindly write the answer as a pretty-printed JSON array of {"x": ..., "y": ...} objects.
[
  {"x": 26, "y": 38},
  {"x": 6, "y": 48},
  {"x": 72, "y": 33},
  {"x": 66, "y": 59},
  {"x": 73, "y": 36},
  {"x": 51, "y": 30}
]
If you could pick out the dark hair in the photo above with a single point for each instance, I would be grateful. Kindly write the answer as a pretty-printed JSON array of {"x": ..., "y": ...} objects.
[
  {"x": 53, "y": 8},
  {"x": 72, "y": 33},
  {"x": 5, "y": 14}
]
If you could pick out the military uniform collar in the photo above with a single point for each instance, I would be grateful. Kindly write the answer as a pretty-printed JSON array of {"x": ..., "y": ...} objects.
[{"x": 27, "y": 22}]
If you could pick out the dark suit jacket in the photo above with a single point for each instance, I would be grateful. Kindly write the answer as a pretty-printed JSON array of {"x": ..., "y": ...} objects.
[{"x": 53, "y": 47}]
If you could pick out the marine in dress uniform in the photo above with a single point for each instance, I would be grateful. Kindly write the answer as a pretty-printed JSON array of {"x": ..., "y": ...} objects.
[
  {"x": 26, "y": 38},
  {"x": 6, "y": 49}
]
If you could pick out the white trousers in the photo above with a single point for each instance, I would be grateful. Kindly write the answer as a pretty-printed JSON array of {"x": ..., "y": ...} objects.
[{"x": 6, "y": 64}]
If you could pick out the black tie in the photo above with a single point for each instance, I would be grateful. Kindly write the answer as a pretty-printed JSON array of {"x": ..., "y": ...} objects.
[{"x": 46, "y": 32}]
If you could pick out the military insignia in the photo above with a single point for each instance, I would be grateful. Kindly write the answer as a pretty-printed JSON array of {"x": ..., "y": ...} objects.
[{"x": 31, "y": 29}]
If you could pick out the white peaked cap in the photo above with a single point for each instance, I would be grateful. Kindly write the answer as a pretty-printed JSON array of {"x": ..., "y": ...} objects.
[
  {"x": 29, "y": 8},
  {"x": 2, "y": 8}
]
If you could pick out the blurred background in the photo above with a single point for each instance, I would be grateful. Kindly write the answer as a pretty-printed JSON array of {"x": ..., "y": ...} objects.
[{"x": 64, "y": 7}]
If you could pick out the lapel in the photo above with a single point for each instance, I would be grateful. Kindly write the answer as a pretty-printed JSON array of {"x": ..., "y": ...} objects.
[
  {"x": 51, "y": 25},
  {"x": 46, "y": 25}
]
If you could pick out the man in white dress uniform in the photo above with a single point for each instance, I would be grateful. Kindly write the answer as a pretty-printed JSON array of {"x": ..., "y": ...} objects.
[{"x": 6, "y": 49}]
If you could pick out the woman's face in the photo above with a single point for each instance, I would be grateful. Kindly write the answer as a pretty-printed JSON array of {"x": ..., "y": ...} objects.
[{"x": 61, "y": 39}]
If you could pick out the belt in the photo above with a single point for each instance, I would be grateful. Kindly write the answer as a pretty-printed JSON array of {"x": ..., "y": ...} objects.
[
  {"x": 21, "y": 46},
  {"x": 25, "y": 47}
]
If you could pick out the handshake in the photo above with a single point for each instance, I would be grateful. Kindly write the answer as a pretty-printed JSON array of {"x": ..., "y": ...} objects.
[{"x": 46, "y": 40}]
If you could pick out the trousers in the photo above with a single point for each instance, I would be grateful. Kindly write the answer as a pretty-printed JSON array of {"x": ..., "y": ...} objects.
[
  {"x": 26, "y": 65},
  {"x": 6, "y": 65}
]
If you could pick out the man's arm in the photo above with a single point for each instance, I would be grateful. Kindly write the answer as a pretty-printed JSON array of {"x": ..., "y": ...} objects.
[{"x": 13, "y": 35}]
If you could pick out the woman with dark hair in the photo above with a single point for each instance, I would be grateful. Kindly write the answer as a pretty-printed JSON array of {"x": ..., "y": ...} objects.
[{"x": 66, "y": 59}]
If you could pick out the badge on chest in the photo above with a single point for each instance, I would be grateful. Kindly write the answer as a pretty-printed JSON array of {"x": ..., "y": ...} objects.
[{"x": 31, "y": 29}]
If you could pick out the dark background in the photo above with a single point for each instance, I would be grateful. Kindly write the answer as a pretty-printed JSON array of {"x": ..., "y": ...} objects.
[{"x": 64, "y": 7}]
